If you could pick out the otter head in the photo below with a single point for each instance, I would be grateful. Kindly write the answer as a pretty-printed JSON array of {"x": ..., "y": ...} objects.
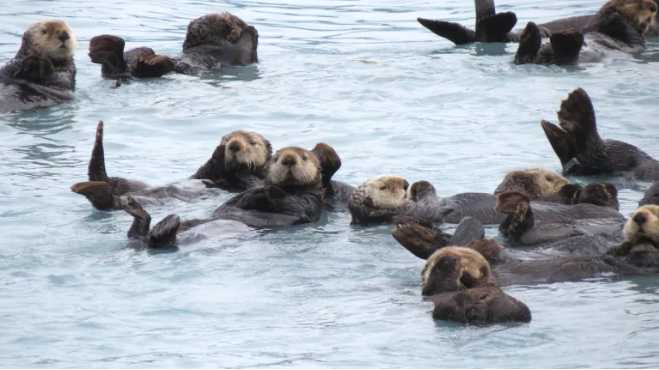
[
  {"x": 480, "y": 306},
  {"x": 640, "y": 14},
  {"x": 225, "y": 36},
  {"x": 454, "y": 268},
  {"x": 51, "y": 39},
  {"x": 643, "y": 225},
  {"x": 536, "y": 183},
  {"x": 294, "y": 167},
  {"x": 421, "y": 190},
  {"x": 378, "y": 199},
  {"x": 244, "y": 150},
  {"x": 651, "y": 195}
]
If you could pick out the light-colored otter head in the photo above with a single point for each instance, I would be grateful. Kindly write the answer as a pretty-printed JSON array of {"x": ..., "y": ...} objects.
[
  {"x": 293, "y": 166},
  {"x": 245, "y": 150},
  {"x": 454, "y": 268},
  {"x": 385, "y": 192},
  {"x": 536, "y": 183},
  {"x": 52, "y": 39},
  {"x": 643, "y": 224},
  {"x": 641, "y": 14}
]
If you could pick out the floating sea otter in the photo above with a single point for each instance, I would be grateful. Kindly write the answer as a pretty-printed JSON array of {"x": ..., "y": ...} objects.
[
  {"x": 293, "y": 194},
  {"x": 582, "y": 151},
  {"x": 211, "y": 41},
  {"x": 238, "y": 163},
  {"x": 496, "y": 27},
  {"x": 43, "y": 71},
  {"x": 619, "y": 25}
]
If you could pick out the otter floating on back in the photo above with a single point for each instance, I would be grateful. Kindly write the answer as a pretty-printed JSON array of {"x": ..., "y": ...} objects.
[
  {"x": 211, "y": 41},
  {"x": 43, "y": 72}
]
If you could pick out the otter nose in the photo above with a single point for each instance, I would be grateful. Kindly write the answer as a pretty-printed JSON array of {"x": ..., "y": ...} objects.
[
  {"x": 234, "y": 146},
  {"x": 640, "y": 219},
  {"x": 64, "y": 36},
  {"x": 289, "y": 161}
]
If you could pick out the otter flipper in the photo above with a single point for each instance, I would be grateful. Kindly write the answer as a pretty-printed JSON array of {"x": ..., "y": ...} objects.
[
  {"x": 530, "y": 42},
  {"x": 496, "y": 27},
  {"x": 456, "y": 33},
  {"x": 469, "y": 230},
  {"x": 96, "y": 169},
  {"x": 141, "y": 218},
  {"x": 566, "y": 47},
  {"x": 330, "y": 162},
  {"x": 99, "y": 193},
  {"x": 420, "y": 240},
  {"x": 164, "y": 232},
  {"x": 560, "y": 141}
]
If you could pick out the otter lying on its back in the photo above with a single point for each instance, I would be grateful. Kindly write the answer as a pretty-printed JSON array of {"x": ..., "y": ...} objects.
[
  {"x": 237, "y": 164},
  {"x": 619, "y": 25},
  {"x": 43, "y": 71},
  {"x": 582, "y": 151}
]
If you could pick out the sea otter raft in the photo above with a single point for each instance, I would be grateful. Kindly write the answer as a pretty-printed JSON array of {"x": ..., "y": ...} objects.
[{"x": 43, "y": 72}]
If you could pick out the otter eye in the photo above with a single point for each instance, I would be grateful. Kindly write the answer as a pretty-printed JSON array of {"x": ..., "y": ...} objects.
[
  {"x": 304, "y": 157},
  {"x": 383, "y": 188},
  {"x": 550, "y": 179},
  {"x": 43, "y": 32},
  {"x": 252, "y": 143}
]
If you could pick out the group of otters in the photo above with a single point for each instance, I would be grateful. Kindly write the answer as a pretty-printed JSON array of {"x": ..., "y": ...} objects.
[{"x": 552, "y": 230}]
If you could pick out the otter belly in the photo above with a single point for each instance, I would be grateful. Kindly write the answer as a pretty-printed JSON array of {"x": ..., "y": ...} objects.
[{"x": 25, "y": 96}]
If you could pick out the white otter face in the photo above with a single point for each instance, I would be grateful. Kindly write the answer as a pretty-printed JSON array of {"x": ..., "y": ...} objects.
[
  {"x": 244, "y": 149},
  {"x": 386, "y": 192},
  {"x": 643, "y": 224},
  {"x": 294, "y": 166},
  {"x": 53, "y": 39}
]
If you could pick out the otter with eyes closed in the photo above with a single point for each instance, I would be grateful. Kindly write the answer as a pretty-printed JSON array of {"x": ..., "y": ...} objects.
[{"x": 43, "y": 72}]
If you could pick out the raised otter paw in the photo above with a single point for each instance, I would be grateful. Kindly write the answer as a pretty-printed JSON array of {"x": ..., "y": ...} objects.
[
  {"x": 150, "y": 66},
  {"x": 422, "y": 241}
]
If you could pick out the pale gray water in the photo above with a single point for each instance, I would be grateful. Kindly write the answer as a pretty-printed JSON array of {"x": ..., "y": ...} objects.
[{"x": 393, "y": 99}]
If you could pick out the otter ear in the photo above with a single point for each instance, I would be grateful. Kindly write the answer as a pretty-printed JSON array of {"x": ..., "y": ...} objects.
[
  {"x": 508, "y": 202},
  {"x": 268, "y": 148}
]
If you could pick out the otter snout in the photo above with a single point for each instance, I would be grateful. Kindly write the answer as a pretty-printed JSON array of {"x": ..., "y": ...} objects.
[
  {"x": 235, "y": 146},
  {"x": 289, "y": 161},
  {"x": 640, "y": 219},
  {"x": 64, "y": 36}
]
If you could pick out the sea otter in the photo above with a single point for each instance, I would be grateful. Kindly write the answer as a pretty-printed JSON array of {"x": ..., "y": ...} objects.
[
  {"x": 211, "y": 41},
  {"x": 536, "y": 184},
  {"x": 43, "y": 72},
  {"x": 508, "y": 267},
  {"x": 293, "y": 193},
  {"x": 619, "y": 25},
  {"x": 493, "y": 27},
  {"x": 582, "y": 151},
  {"x": 142, "y": 62},
  {"x": 582, "y": 228},
  {"x": 237, "y": 164}
]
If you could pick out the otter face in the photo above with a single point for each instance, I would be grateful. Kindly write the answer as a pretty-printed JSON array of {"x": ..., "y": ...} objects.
[
  {"x": 52, "y": 39},
  {"x": 385, "y": 192},
  {"x": 294, "y": 166},
  {"x": 535, "y": 183},
  {"x": 643, "y": 224},
  {"x": 245, "y": 149},
  {"x": 483, "y": 305},
  {"x": 641, "y": 13},
  {"x": 420, "y": 190},
  {"x": 454, "y": 268}
]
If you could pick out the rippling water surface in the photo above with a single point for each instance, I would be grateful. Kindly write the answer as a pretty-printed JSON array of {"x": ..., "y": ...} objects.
[{"x": 393, "y": 99}]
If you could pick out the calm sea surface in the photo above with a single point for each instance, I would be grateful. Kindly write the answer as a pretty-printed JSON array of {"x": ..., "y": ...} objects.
[{"x": 392, "y": 98}]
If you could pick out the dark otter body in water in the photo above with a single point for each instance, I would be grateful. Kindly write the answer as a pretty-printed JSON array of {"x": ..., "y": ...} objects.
[
  {"x": 43, "y": 72},
  {"x": 582, "y": 151}
]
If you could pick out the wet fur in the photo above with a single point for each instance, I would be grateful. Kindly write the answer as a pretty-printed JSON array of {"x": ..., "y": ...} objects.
[{"x": 472, "y": 269}]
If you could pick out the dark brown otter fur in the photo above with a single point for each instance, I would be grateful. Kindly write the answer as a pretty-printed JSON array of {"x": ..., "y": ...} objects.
[
  {"x": 142, "y": 62},
  {"x": 581, "y": 150}
]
